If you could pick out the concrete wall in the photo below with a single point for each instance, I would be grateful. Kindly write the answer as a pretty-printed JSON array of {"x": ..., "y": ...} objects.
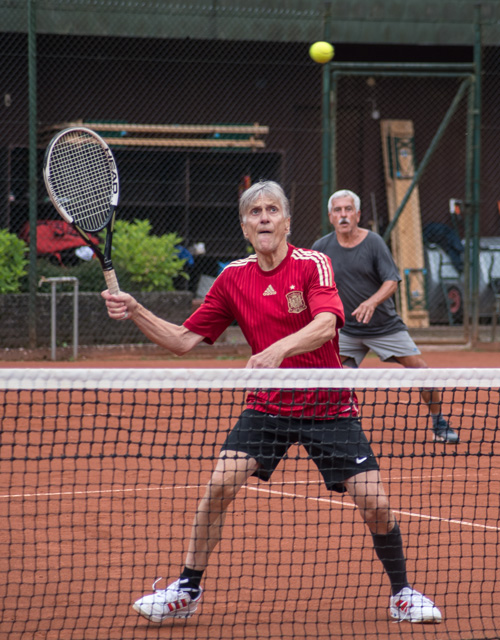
[{"x": 95, "y": 327}]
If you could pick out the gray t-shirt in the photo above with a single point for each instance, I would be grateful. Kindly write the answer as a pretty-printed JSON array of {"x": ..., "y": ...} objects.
[{"x": 359, "y": 272}]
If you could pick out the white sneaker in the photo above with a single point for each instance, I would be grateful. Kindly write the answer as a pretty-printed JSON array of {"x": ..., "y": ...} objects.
[
  {"x": 172, "y": 602},
  {"x": 412, "y": 606}
]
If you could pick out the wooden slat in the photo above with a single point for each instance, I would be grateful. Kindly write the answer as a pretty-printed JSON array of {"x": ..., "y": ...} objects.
[
  {"x": 181, "y": 129},
  {"x": 171, "y": 135},
  {"x": 406, "y": 237},
  {"x": 180, "y": 142}
]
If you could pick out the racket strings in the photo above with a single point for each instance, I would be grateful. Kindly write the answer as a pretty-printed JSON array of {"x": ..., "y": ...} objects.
[{"x": 81, "y": 178}]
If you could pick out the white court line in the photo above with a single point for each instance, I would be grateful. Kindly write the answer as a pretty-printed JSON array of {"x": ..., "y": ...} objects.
[
  {"x": 96, "y": 492},
  {"x": 411, "y": 514},
  {"x": 265, "y": 490},
  {"x": 388, "y": 477}
]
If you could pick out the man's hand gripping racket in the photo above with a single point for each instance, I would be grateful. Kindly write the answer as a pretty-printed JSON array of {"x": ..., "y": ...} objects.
[{"x": 81, "y": 177}]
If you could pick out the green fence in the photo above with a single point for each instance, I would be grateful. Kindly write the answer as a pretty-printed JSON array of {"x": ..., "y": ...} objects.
[{"x": 230, "y": 112}]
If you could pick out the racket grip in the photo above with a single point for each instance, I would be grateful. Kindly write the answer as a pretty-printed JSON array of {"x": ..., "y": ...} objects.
[{"x": 112, "y": 282}]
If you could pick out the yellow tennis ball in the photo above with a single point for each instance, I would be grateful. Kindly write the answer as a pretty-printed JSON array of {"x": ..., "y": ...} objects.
[{"x": 321, "y": 52}]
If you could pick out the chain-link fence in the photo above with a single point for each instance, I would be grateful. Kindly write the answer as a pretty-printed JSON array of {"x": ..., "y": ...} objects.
[
  {"x": 391, "y": 124},
  {"x": 231, "y": 113},
  {"x": 384, "y": 130}
]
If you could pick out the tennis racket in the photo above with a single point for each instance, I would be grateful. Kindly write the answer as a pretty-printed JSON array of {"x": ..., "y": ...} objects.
[{"x": 81, "y": 178}]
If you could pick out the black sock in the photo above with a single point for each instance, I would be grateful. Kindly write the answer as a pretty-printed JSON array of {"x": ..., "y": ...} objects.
[
  {"x": 435, "y": 417},
  {"x": 389, "y": 549},
  {"x": 190, "y": 580}
]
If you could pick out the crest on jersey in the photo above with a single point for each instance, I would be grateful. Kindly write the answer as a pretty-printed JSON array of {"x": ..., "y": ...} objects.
[{"x": 296, "y": 302}]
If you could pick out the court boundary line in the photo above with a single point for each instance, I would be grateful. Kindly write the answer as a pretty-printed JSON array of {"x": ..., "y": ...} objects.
[{"x": 258, "y": 489}]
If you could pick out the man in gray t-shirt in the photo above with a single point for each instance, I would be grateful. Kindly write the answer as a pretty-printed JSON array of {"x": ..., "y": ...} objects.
[
  {"x": 367, "y": 279},
  {"x": 359, "y": 272}
]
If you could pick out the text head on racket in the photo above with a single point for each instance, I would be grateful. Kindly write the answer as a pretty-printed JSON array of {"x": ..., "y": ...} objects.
[{"x": 81, "y": 177}]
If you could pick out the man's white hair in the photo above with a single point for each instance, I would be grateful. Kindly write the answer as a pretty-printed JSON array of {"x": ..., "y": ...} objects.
[
  {"x": 345, "y": 193},
  {"x": 267, "y": 188}
]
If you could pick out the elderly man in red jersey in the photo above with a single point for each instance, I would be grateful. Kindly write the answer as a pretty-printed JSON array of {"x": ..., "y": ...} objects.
[{"x": 286, "y": 303}]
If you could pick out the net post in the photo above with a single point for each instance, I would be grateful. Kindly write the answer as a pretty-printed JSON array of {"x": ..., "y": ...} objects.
[
  {"x": 75, "y": 317},
  {"x": 53, "y": 312},
  {"x": 53, "y": 319}
]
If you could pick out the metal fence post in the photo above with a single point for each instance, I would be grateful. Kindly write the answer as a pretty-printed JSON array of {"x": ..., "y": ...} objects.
[{"x": 53, "y": 312}]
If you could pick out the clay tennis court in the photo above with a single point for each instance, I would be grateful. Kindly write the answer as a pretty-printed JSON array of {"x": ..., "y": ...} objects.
[{"x": 97, "y": 503}]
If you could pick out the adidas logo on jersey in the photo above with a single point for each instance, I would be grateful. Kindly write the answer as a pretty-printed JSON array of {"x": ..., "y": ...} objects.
[{"x": 269, "y": 291}]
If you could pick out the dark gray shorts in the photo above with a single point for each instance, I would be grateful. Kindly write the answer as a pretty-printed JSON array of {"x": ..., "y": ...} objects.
[
  {"x": 338, "y": 447},
  {"x": 387, "y": 347}
]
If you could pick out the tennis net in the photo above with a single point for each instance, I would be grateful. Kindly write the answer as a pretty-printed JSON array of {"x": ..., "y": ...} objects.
[{"x": 102, "y": 470}]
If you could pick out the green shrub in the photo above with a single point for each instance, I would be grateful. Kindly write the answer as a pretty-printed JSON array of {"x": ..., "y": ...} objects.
[
  {"x": 13, "y": 262},
  {"x": 89, "y": 274},
  {"x": 142, "y": 262},
  {"x": 151, "y": 262}
]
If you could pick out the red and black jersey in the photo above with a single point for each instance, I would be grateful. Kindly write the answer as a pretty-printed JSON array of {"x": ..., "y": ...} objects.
[{"x": 270, "y": 305}]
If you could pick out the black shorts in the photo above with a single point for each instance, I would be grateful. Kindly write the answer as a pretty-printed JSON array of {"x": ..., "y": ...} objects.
[{"x": 338, "y": 446}]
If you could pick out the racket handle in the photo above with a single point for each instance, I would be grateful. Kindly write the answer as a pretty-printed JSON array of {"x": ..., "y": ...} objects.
[{"x": 112, "y": 282}]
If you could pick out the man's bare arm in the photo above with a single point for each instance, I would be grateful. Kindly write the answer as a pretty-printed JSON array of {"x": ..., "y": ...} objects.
[
  {"x": 321, "y": 329},
  {"x": 175, "y": 338},
  {"x": 364, "y": 312}
]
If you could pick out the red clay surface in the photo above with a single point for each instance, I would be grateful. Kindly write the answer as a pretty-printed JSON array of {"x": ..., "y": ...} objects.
[
  {"x": 435, "y": 357},
  {"x": 97, "y": 501}
]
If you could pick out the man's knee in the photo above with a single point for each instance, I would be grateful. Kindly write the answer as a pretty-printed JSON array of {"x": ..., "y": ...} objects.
[
  {"x": 231, "y": 472},
  {"x": 379, "y": 519},
  {"x": 412, "y": 362}
]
